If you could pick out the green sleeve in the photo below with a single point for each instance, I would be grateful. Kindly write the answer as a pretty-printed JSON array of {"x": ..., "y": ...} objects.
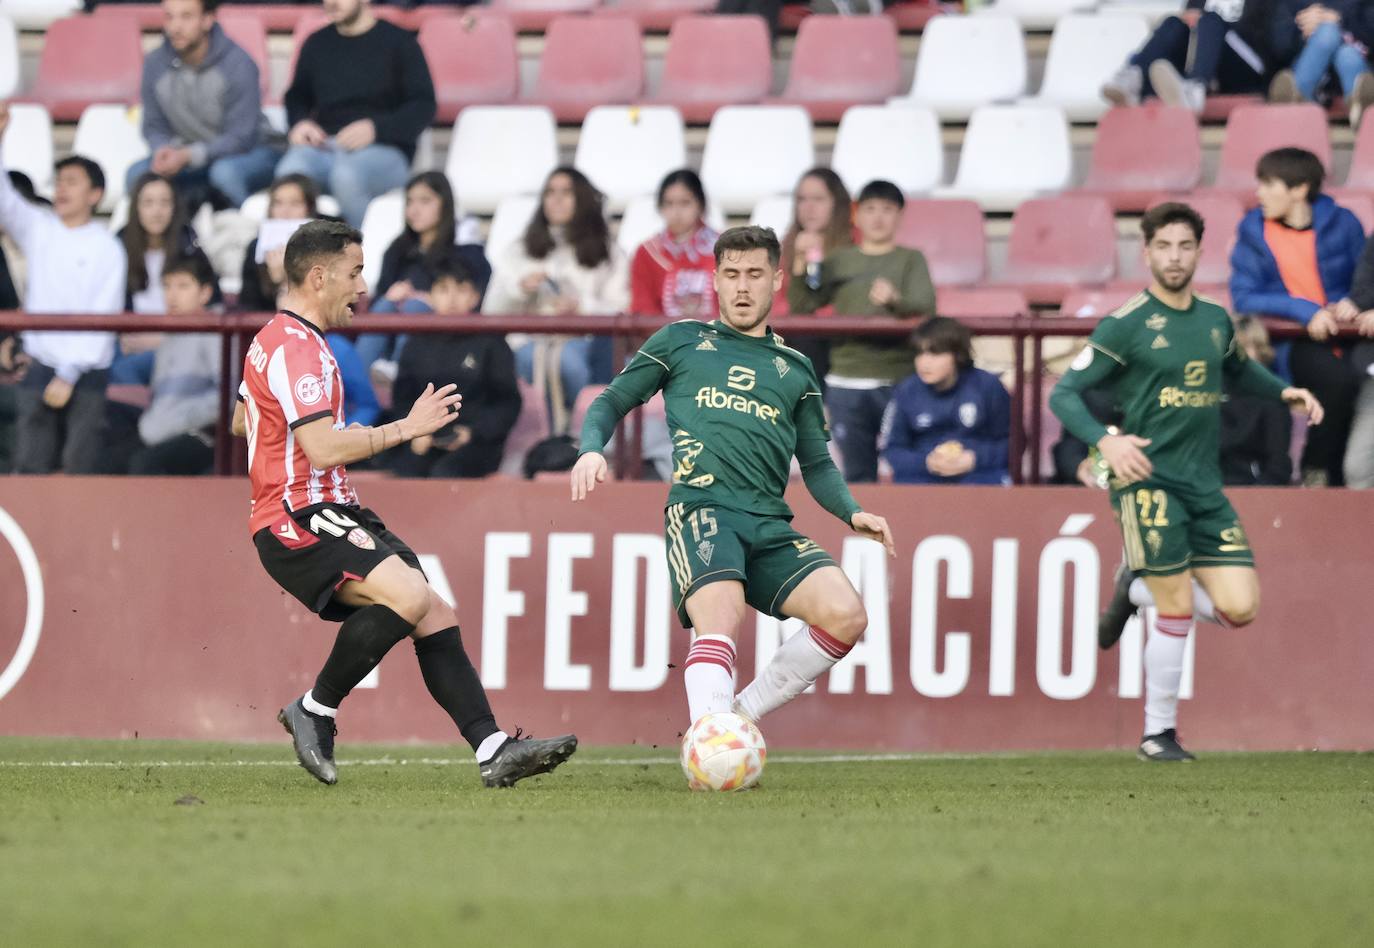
[
  {"x": 823, "y": 480},
  {"x": 1245, "y": 376},
  {"x": 1101, "y": 359},
  {"x": 644, "y": 376},
  {"x": 916, "y": 295}
]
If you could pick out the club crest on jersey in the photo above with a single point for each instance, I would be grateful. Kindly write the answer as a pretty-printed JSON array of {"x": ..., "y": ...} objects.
[
  {"x": 781, "y": 365},
  {"x": 309, "y": 390},
  {"x": 705, "y": 550},
  {"x": 968, "y": 414},
  {"x": 1160, "y": 343},
  {"x": 361, "y": 539},
  {"x": 1154, "y": 541},
  {"x": 1157, "y": 322},
  {"x": 706, "y": 345}
]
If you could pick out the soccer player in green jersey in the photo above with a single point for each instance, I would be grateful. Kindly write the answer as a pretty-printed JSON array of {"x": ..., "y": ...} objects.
[
  {"x": 740, "y": 406},
  {"x": 1164, "y": 355}
]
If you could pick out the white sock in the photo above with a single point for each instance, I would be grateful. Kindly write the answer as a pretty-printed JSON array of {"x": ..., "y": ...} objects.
[
  {"x": 796, "y": 664},
  {"x": 490, "y": 745},
  {"x": 709, "y": 675},
  {"x": 314, "y": 707},
  {"x": 1164, "y": 647},
  {"x": 1140, "y": 594}
]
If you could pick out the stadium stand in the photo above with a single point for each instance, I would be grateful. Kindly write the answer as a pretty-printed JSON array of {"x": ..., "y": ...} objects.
[
  {"x": 246, "y": 28},
  {"x": 530, "y": 428},
  {"x": 642, "y": 221},
  {"x": 949, "y": 44},
  {"x": 901, "y": 145},
  {"x": 1361, "y": 174},
  {"x": 1252, "y": 130},
  {"x": 85, "y": 61},
  {"x": 509, "y": 222},
  {"x": 110, "y": 135},
  {"x": 1036, "y": 135},
  {"x": 1084, "y": 52},
  {"x": 39, "y": 14},
  {"x": 472, "y": 60},
  {"x": 28, "y": 146},
  {"x": 1141, "y": 151},
  {"x": 500, "y": 150},
  {"x": 383, "y": 223},
  {"x": 840, "y": 61},
  {"x": 753, "y": 152},
  {"x": 9, "y": 58},
  {"x": 626, "y": 150},
  {"x": 1037, "y": 14},
  {"x": 589, "y": 61},
  {"x": 661, "y": 15},
  {"x": 535, "y": 15},
  {"x": 1058, "y": 244},
  {"x": 714, "y": 61},
  {"x": 774, "y": 211},
  {"x": 950, "y": 234}
]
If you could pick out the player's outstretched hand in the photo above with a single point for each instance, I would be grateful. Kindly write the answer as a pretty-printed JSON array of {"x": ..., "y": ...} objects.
[
  {"x": 1300, "y": 399},
  {"x": 1125, "y": 457},
  {"x": 589, "y": 471},
  {"x": 432, "y": 410},
  {"x": 875, "y": 528}
]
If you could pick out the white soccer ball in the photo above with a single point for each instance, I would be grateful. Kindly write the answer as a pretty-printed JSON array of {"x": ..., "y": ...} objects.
[{"x": 723, "y": 752}]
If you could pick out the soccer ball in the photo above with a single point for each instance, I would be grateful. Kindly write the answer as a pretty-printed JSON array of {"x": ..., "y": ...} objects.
[{"x": 723, "y": 752}]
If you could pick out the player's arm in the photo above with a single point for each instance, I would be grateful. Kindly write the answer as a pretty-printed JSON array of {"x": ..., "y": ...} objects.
[
  {"x": 1097, "y": 364},
  {"x": 824, "y": 481},
  {"x": 645, "y": 375},
  {"x": 239, "y": 426},
  {"x": 327, "y": 447},
  {"x": 1245, "y": 376}
]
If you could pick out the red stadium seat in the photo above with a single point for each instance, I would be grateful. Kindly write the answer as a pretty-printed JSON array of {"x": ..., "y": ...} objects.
[
  {"x": 659, "y": 15},
  {"x": 1221, "y": 213},
  {"x": 980, "y": 302},
  {"x": 243, "y": 26},
  {"x": 589, "y": 61},
  {"x": 88, "y": 60},
  {"x": 950, "y": 234},
  {"x": 1142, "y": 151},
  {"x": 714, "y": 61},
  {"x": 1253, "y": 130},
  {"x": 1058, "y": 244},
  {"x": 1219, "y": 107},
  {"x": 537, "y": 15},
  {"x": 1092, "y": 303},
  {"x": 1362, "y": 159},
  {"x": 1359, "y": 202},
  {"x": 473, "y": 62},
  {"x": 531, "y": 427},
  {"x": 913, "y": 15},
  {"x": 792, "y": 15},
  {"x": 148, "y": 16},
  {"x": 840, "y": 61}
]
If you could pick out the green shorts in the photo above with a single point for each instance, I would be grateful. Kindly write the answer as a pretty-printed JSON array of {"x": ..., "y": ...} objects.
[
  {"x": 1167, "y": 531},
  {"x": 709, "y": 544}
]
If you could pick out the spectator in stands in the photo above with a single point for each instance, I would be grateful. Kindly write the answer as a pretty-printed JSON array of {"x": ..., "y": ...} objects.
[
  {"x": 202, "y": 111},
  {"x": 483, "y": 368},
  {"x": 672, "y": 274},
  {"x": 360, "y": 98},
  {"x": 1238, "y": 45},
  {"x": 75, "y": 265},
  {"x": 12, "y": 363},
  {"x": 409, "y": 264},
  {"x": 822, "y": 222},
  {"x": 291, "y": 197},
  {"x": 876, "y": 278},
  {"x": 1333, "y": 39},
  {"x": 1294, "y": 258},
  {"x": 1356, "y": 312},
  {"x": 950, "y": 422},
  {"x": 158, "y": 232},
  {"x": 565, "y": 264},
  {"x": 1255, "y": 432}
]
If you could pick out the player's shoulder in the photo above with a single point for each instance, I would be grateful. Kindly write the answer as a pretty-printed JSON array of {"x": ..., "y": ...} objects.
[
  {"x": 1212, "y": 307},
  {"x": 1133, "y": 309}
]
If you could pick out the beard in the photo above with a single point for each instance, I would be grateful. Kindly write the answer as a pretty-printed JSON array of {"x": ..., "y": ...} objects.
[
  {"x": 742, "y": 324},
  {"x": 1175, "y": 282}
]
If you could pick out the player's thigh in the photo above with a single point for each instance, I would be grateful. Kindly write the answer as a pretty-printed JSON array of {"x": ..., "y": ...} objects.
[
  {"x": 826, "y": 598},
  {"x": 790, "y": 575},
  {"x": 1155, "y": 533},
  {"x": 1172, "y": 594},
  {"x": 394, "y": 583},
  {"x": 716, "y": 608},
  {"x": 1234, "y": 590},
  {"x": 1216, "y": 535},
  {"x": 705, "y": 546}
]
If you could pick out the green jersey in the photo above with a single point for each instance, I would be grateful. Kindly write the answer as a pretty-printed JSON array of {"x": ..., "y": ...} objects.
[
  {"x": 1165, "y": 367},
  {"x": 739, "y": 408}
]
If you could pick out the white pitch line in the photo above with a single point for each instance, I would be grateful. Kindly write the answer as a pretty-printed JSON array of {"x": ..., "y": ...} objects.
[{"x": 447, "y": 762}]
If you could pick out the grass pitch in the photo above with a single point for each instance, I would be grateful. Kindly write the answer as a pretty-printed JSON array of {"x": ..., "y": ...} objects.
[{"x": 161, "y": 843}]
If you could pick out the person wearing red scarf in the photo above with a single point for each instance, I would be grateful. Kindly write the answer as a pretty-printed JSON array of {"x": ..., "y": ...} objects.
[{"x": 672, "y": 272}]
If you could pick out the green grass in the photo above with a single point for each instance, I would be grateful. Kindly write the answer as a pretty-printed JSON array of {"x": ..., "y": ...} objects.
[{"x": 1047, "y": 849}]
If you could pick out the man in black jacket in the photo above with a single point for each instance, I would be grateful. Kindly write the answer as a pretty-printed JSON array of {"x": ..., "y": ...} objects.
[
  {"x": 1355, "y": 315},
  {"x": 360, "y": 98}
]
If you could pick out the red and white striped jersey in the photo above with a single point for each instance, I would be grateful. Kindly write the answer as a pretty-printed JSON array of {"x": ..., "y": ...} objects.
[{"x": 290, "y": 378}]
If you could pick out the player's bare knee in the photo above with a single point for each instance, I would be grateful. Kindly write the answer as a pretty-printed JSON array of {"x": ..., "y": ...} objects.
[
  {"x": 847, "y": 621},
  {"x": 1239, "y": 612},
  {"x": 409, "y": 599}
]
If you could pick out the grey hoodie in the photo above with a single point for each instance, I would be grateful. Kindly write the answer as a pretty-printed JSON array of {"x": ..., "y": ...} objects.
[
  {"x": 215, "y": 108},
  {"x": 185, "y": 387}
]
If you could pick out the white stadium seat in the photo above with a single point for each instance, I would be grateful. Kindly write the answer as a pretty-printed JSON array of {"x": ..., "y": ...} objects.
[
  {"x": 1084, "y": 53},
  {"x": 110, "y": 136},
  {"x": 642, "y": 221},
  {"x": 627, "y": 150},
  {"x": 775, "y": 212},
  {"x": 753, "y": 149},
  {"x": 500, "y": 151},
  {"x": 1037, "y": 14},
  {"x": 900, "y": 144},
  {"x": 508, "y": 223},
  {"x": 968, "y": 61},
  {"x": 383, "y": 222},
  {"x": 1038, "y": 137},
  {"x": 9, "y": 58},
  {"x": 39, "y": 14},
  {"x": 28, "y": 145}
]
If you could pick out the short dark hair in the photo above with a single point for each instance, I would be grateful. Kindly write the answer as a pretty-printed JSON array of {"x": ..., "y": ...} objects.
[
  {"x": 313, "y": 240},
  {"x": 941, "y": 334},
  {"x": 881, "y": 190},
  {"x": 93, "y": 172},
  {"x": 450, "y": 267},
  {"x": 195, "y": 266},
  {"x": 1292, "y": 166},
  {"x": 1170, "y": 212},
  {"x": 748, "y": 238}
]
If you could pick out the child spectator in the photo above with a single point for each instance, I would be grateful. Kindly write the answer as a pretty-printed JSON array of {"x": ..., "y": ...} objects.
[
  {"x": 822, "y": 222},
  {"x": 1294, "y": 258},
  {"x": 293, "y": 197},
  {"x": 950, "y": 422},
  {"x": 876, "y": 278},
  {"x": 672, "y": 273},
  {"x": 482, "y": 367},
  {"x": 1255, "y": 432}
]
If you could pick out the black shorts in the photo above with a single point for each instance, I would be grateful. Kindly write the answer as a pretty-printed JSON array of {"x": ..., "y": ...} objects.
[{"x": 312, "y": 552}]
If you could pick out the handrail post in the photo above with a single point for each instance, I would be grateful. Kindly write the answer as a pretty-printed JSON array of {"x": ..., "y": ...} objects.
[
  {"x": 222, "y": 445},
  {"x": 1037, "y": 389},
  {"x": 1018, "y": 402}
]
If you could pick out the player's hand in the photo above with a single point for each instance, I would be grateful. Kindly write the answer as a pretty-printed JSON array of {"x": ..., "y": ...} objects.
[
  {"x": 1345, "y": 311},
  {"x": 356, "y": 135},
  {"x": 399, "y": 291},
  {"x": 882, "y": 292},
  {"x": 875, "y": 528},
  {"x": 1086, "y": 475},
  {"x": 432, "y": 410},
  {"x": 1323, "y": 325},
  {"x": 530, "y": 282},
  {"x": 1123, "y": 453},
  {"x": 589, "y": 471},
  {"x": 1300, "y": 399},
  {"x": 306, "y": 132},
  {"x": 57, "y": 394}
]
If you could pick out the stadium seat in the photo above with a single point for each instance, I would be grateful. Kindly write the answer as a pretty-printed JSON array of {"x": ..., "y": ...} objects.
[
  {"x": 1084, "y": 52},
  {"x": 840, "y": 61},
  {"x": 911, "y": 15},
  {"x": 944, "y": 80},
  {"x": 500, "y": 150},
  {"x": 1253, "y": 130},
  {"x": 39, "y": 14},
  {"x": 87, "y": 60},
  {"x": 246, "y": 28},
  {"x": 536, "y": 15},
  {"x": 1221, "y": 213},
  {"x": 714, "y": 61},
  {"x": 589, "y": 61},
  {"x": 950, "y": 234},
  {"x": 626, "y": 151},
  {"x": 753, "y": 152},
  {"x": 1037, "y": 136},
  {"x": 110, "y": 135},
  {"x": 1140, "y": 152},
  {"x": 473, "y": 62},
  {"x": 383, "y": 222},
  {"x": 1093, "y": 303},
  {"x": 508, "y": 223},
  {"x": 9, "y": 58},
  {"x": 958, "y": 302},
  {"x": 660, "y": 15},
  {"x": 1037, "y": 14},
  {"x": 27, "y": 145},
  {"x": 1360, "y": 203},
  {"x": 641, "y": 221},
  {"x": 1058, "y": 244},
  {"x": 1361, "y": 173},
  {"x": 531, "y": 427},
  {"x": 774, "y": 211},
  {"x": 902, "y": 145}
]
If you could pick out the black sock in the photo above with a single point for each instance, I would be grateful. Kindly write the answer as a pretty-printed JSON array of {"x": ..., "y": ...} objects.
[
  {"x": 453, "y": 682},
  {"x": 364, "y": 638}
]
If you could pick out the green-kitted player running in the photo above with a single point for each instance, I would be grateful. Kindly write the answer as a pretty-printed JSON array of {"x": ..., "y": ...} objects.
[
  {"x": 1164, "y": 356},
  {"x": 740, "y": 405}
]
